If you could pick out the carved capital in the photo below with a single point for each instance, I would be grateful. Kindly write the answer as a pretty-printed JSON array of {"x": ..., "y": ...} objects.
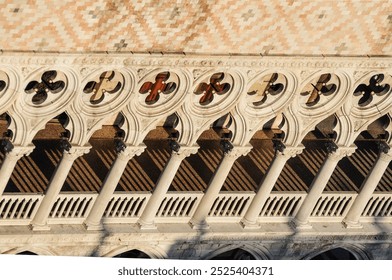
[
  {"x": 185, "y": 151},
  {"x": 385, "y": 152},
  {"x": 75, "y": 151},
  {"x": 129, "y": 152},
  {"x": 340, "y": 152},
  {"x": 19, "y": 151},
  {"x": 289, "y": 151},
  {"x": 238, "y": 151}
]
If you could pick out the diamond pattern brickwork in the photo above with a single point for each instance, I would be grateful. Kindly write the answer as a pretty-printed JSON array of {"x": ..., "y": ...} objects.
[{"x": 223, "y": 26}]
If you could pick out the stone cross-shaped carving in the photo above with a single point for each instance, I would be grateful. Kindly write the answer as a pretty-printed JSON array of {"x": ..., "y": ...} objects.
[
  {"x": 214, "y": 87},
  {"x": 374, "y": 87},
  {"x": 47, "y": 84},
  {"x": 160, "y": 86},
  {"x": 320, "y": 88},
  {"x": 107, "y": 83},
  {"x": 267, "y": 86}
]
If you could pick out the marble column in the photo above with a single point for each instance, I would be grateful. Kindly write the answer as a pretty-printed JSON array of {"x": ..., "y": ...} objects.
[
  {"x": 124, "y": 154},
  {"x": 146, "y": 220},
  {"x": 335, "y": 154},
  {"x": 369, "y": 185},
  {"x": 282, "y": 154},
  {"x": 39, "y": 221},
  {"x": 11, "y": 157},
  {"x": 230, "y": 155}
]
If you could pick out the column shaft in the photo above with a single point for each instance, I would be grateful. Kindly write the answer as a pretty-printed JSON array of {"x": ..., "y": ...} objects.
[
  {"x": 9, "y": 162},
  {"x": 109, "y": 186},
  {"x": 39, "y": 221},
  {"x": 319, "y": 183},
  {"x": 367, "y": 189},
  {"x": 264, "y": 190},
  {"x": 217, "y": 181},
  {"x": 147, "y": 218}
]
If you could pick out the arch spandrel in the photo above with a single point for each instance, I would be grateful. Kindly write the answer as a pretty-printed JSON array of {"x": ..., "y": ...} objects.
[
  {"x": 9, "y": 87},
  {"x": 201, "y": 108}
]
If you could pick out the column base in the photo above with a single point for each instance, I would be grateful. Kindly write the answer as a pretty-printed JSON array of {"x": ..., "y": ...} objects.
[
  {"x": 298, "y": 225},
  {"x": 35, "y": 227},
  {"x": 199, "y": 226},
  {"x": 249, "y": 225},
  {"x": 146, "y": 226},
  {"x": 352, "y": 224},
  {"x": 97, "y": 227}
]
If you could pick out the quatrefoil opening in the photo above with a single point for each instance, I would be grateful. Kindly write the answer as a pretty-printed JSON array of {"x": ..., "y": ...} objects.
[
  {"x": 267, "y": 85},
  {"x": 374, "y": 87},
  {"x": 322, "y": 87},
  {"x": 2, "y": 85},
  {"x": 108, "y": 83},
  {"x": 44, "y": 87},
  {"x": 155, "y": 89},
  {"x": 214, "y": 87}
]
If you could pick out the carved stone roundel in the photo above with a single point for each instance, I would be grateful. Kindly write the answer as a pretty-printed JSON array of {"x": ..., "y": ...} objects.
[
  {"x": 47, "y": 88},
  {"x": 319, "y": 91},
  {"x": 266, "y": 90},
  {"x": 212, "y": 90},
  {"x": 103, "y": 89},
  {"x": 160, "y": 91}
]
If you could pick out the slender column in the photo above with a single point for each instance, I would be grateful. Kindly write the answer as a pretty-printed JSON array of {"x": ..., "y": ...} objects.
[
  {"x": 39, "y": 221},
  {"x": 229, "y": 157},
  {"x": 146, "y": 220},
  {"x": 282, "y": 154},
  {"x": 124, "y": 154},
  {"x": 335, "y": 154},
  {"x": 369, "y": 185},
  {"x": 12, "y": 155}
]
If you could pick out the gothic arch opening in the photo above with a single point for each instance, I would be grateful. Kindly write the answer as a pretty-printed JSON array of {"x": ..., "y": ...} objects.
[
  {"x": 235, "y": 254},
  {"x": 27, "y": 253},
  {"x": 335, "y": 254},
  {"x": 133, "y": 254}
]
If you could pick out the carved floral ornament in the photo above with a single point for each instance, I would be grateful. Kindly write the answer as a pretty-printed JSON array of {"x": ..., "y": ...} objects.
[
  {"x": 219, "y": 84},
  {"x": 319, "y": 90},
  {"x": 47, "y": 88},
  {"x": 266, "y": 89},
  {"x": 161, "y": 87},
  {"x": 104, "y": 88},
  {"x": 373, "y": 91}
]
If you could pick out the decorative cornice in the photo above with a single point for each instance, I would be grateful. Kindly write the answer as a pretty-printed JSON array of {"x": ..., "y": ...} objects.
[{"x": 192, "y": 60}]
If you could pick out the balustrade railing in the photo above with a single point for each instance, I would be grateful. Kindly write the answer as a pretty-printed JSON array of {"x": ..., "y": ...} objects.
[
  {"x": 125, "y": 207},
  {"x": 379, "y": 207},
  {"x": 71, "y": 208},
  {"x": 230, "y": 205},
  {"x": 332, "y": 205},
  {"x": 178, "y": 205},
  {"x": 18, "y": 208},
  {"x": 281, "y": 206}
]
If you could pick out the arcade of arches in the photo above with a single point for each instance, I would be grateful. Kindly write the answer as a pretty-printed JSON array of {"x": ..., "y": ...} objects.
[{"x": 197, "y": 155}]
